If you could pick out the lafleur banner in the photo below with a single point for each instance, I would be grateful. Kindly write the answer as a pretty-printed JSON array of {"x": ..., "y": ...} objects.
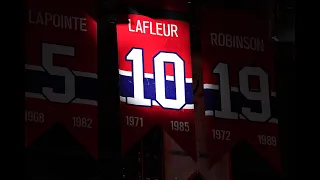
[
  {"x": 239, "y": 84},
  {"x": 60, "y": 70},
  {"x": 156, "y": 80}
]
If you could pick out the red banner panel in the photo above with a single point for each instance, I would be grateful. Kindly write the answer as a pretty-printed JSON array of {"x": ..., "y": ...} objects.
[
  {"x": 174, "y": 5},
  {"x": 60, "y": 70},
  {"x": 239, "y": 84},
  {"x": 156, "y": 80}
]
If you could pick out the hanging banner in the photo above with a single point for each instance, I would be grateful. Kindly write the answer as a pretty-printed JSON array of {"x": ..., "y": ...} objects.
[
  {"x": 156, "y": 80},
  {"x": 174, "y": 5},
  {"x": 60, "y": 70},
  {"x": 239, "y": 85}
]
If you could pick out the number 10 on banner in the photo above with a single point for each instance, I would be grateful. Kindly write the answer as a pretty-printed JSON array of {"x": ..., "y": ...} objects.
[{"x": 136, "y": 55}]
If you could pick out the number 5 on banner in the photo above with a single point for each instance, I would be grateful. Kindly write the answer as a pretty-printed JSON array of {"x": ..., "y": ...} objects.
[
  {"x": 48, "y": 51},
  {"x": 159, "y": 60}
]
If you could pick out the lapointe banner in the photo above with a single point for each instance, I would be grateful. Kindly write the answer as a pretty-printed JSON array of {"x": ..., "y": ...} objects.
[
  {"x": 239, "y": 84},
  {"x": 156, "y": 80},
  {"x": 61, "y": 70},
  {"x": 174, "y": 5}
]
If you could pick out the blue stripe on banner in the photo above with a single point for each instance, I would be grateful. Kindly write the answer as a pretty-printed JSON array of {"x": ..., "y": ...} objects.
[
  {"x": 126, "y": 89},
  {"x": 213, "y": 102},
  {"x": 86, "y": 87}
]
